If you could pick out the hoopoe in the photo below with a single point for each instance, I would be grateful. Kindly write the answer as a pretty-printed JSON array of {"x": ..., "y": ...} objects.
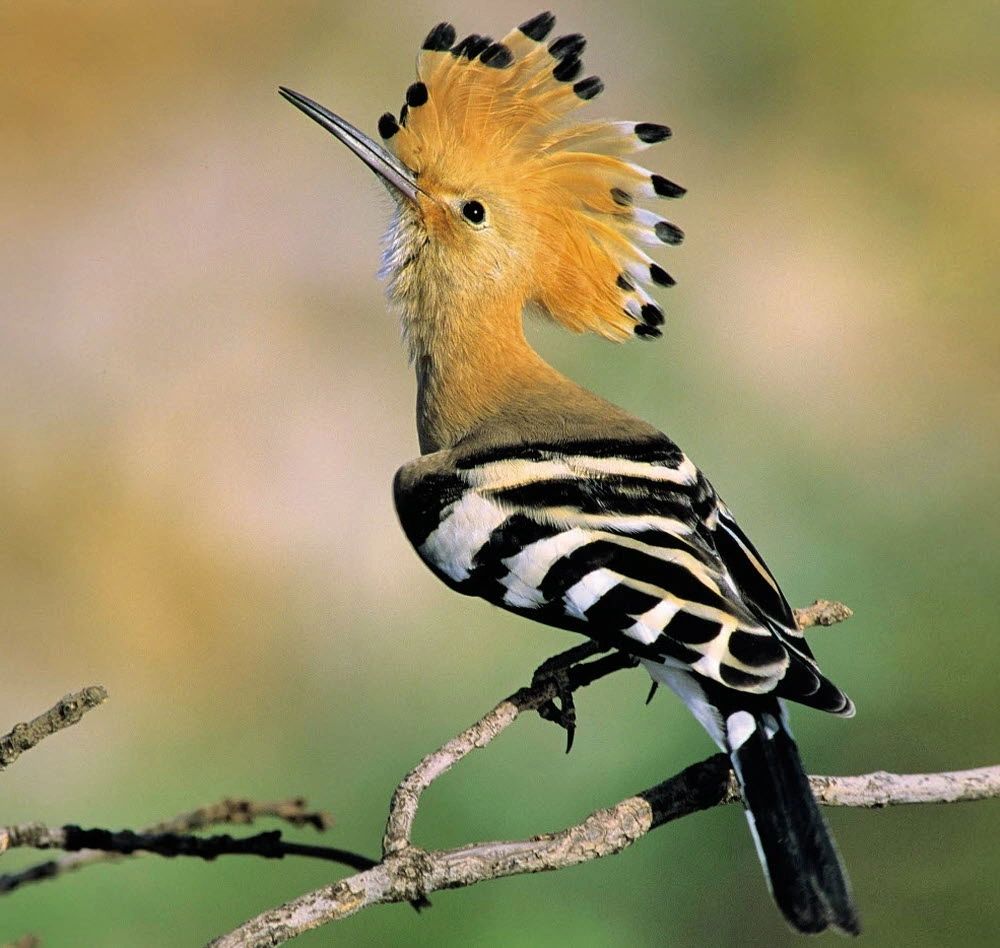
[{"x": 537, "y": 495}]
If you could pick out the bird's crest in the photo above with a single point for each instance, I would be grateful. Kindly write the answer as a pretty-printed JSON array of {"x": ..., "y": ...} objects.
[{"x": 500, "y": 112}]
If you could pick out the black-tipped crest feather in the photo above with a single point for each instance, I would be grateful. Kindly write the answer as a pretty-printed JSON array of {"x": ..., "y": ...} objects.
[
  {"x": 650, "y": 133},
  {"x": 440, "y": 39},
  {"x": 565, "y": 46},
  {"x": 589, "y": 88},
  {"x": 451, "y": 115},
  {"x": 538, "y": 27},
  {"x": 568, "y": 69},
  {"x": 497, "y": 55}
]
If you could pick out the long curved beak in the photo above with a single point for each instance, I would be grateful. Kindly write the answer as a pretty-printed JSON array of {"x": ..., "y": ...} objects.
[{"x": 389, "y": 168}]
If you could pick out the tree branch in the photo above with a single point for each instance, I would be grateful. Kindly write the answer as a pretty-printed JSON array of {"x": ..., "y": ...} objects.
[
  {"x": 167, "y": 838},
  {"x": 171, "y": 838},
  {"x": 240, "y": 811},
  {"x": 881, "y": 789},
  {"x": 63, "y": 714},
  {"x": 408, "y": 872},
  {"x": 70, "y": 838}
]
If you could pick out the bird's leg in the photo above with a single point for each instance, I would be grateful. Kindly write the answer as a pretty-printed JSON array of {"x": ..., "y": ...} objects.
[
  {"x": 556, "y": 670},
  {"x": 568, "y": 671},
  {"x": 565, "y": 660}
]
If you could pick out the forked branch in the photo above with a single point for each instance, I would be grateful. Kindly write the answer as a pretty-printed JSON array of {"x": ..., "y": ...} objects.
[{"x": 407, "y": 872}]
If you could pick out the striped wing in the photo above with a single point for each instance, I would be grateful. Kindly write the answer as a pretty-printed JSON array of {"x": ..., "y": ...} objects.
[{"x": 626, "y": 542}]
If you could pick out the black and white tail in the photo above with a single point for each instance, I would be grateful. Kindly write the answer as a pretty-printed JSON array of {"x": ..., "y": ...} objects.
[{"x": 800, "y": 861}]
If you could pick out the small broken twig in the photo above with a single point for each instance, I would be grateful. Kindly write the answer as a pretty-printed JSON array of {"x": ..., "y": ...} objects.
[
  {"x": 62, "y": 714},
  {"x": 822, "y": 612}
]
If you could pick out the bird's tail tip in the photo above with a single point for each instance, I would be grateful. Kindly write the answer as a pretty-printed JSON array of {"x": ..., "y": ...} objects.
[{"x": 800, "y": 860}]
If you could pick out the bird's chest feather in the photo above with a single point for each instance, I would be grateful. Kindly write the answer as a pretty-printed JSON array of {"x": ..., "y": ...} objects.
[{"x": 449, "y": 520}]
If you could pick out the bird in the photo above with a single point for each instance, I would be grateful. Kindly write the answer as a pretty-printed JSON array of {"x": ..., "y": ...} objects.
[{"x": 530, "y": 491}]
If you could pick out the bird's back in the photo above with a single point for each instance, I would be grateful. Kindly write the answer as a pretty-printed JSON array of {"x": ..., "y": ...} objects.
[{"x": 619, "y": 537}]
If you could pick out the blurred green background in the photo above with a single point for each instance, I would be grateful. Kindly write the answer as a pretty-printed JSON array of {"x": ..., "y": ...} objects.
[{"x": 203, "y": 401}]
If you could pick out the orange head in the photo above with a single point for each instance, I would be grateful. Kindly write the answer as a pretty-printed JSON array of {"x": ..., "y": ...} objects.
[{"x": 504, "y": 200}]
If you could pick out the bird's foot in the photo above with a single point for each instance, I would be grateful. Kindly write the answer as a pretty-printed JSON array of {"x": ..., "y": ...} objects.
[
  {"x": 556, "y": 671},
  {"x": 568, "y": 671}
]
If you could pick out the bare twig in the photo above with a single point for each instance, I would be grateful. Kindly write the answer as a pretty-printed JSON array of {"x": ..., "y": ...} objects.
[
  {"x": 240, "y": 811},
  {"x": 268, "y": 845},
  {"x": 63, "y": 714},
  {"x": 406, "y": 799},
  {"x": 822, "y": 612}
]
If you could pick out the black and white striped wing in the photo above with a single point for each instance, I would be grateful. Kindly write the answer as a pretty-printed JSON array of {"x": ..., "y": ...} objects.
[{"x": 624, "y": 541}]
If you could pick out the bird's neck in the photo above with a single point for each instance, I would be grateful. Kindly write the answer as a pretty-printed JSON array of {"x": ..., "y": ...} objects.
[
  {"x": 477, "y": 374},
  {"x": 480, "y": 383}
]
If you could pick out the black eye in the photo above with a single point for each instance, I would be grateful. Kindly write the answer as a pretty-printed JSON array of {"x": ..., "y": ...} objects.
[{"x": 474, "y": 212}]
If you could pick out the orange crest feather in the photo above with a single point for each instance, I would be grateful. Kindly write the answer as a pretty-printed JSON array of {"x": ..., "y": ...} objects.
[{"x": 498, "y": 112}]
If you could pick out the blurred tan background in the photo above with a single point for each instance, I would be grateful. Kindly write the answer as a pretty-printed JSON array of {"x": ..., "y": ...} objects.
[{"x": 203, "y": 401}]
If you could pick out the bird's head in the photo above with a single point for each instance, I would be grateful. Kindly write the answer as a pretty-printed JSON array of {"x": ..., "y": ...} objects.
[{"x": 503, "y": 200}]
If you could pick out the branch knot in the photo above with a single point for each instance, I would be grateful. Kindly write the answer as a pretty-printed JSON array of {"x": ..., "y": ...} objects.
[{"x": 409, "y": 869}]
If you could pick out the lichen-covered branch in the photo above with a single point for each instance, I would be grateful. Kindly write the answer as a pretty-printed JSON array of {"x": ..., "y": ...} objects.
[
  {"x": 406, "y": 799},
  {"x": 407, "y": 872},
  {"x": 62, "y": 714},
  {"x": 884, "y": 789}
]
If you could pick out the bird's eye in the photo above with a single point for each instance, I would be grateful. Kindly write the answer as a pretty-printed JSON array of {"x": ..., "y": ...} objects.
[{"x": 474, "y": 212}]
